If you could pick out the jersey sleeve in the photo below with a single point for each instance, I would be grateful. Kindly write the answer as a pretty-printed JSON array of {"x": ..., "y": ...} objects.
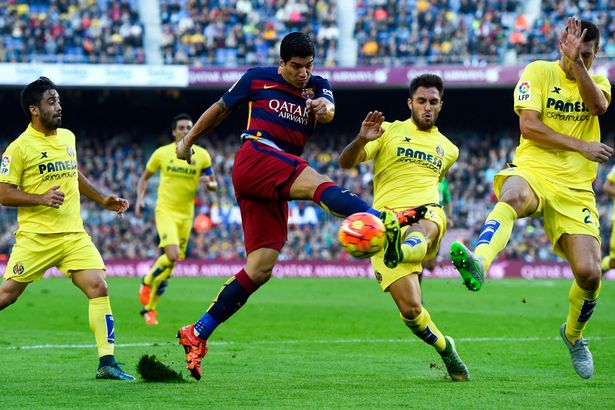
[
  {"x": 373, "y": 147},
  {"x": 528, "y": 92},
  {"x": 240, "y": 91},
  {"x": 323, "y": 89},
  {"x": 451, "y": 159},
  {"x": 206, "y": 164},
  {"x": 611, "y": 175},
  {"x": 11, "y": 168},
  {"x": 153, "y": 165}
]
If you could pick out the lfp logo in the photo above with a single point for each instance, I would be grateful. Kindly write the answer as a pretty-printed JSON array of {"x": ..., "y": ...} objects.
[{"x": 524, "y": 91}]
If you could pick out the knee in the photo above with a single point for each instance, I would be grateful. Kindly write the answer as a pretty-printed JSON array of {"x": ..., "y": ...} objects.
[
  {"x": 587, "y": 275},
  {"x": 261, "y": 276},
  {"x": 410, "y": 311},
  {"x": 98, "y": 289},
  {"x": 518, "y": 199}
]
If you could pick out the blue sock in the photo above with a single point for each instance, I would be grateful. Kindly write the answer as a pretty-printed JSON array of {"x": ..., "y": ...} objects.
[
  {"x": 340, "y": 202},
  {"x": 205, "y": 326}
]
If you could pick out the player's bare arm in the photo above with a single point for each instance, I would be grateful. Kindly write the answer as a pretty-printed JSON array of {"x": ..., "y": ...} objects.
[
  {"x": 371, "y": 129},
  {"x": 323, "y": 109},
  {"x": 209, "y": 120},
  {"x": 11, "y": 195},
  {"x": 210, "y": 182},
  {"x": 111, "y": 202},
  {"x": 141, "y": 188},
  {"x": 581, "y": 55},
  {"x": 534, "y": 129}
]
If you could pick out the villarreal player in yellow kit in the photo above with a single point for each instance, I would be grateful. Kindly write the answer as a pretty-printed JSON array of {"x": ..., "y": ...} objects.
[
  {"x": 179, "y": 182},
  {"x": 555, "y": 164},
  {"x": 410, "y": 158},
  {"x": 39, "y": 175}
]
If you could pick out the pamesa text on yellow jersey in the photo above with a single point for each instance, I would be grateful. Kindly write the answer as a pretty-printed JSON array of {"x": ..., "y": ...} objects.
[
  {"x": 179, "y": 180},
  {"x": 543, "y": 87},
  {"x": 408, "y": 164}
]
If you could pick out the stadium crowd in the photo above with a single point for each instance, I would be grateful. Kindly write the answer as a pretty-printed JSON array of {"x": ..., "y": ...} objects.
[
  {"x": 115, "y": 165},
  {"x": 246, "y": 32},
  {"x": 71, "y": 31}
]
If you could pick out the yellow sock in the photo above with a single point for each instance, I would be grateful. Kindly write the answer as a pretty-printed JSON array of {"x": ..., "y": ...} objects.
[
  {"x": 426, "y": 330},
  {"x": 157, "y": 290},
  {"x": 162, "y": 263},
  {"x": 101, "y": 323},
  {"x": 414, "y": 247},
  {"x": 582, "y": 304},
  {"x": 495, "y": 233},
  {"x": 605, "y": 265}
]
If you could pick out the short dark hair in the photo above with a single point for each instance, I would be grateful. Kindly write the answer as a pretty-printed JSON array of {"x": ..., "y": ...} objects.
[
  {"x": 593, "y": 34},
  {"x": 296, "y": 44},
  {"x": 179, "y": 117},
  {"x": 33, "y": 93},
  {"x": 427, "y": 80}
]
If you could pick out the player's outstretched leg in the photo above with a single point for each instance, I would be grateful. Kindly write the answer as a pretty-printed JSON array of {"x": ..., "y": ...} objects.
[
  {"x": 582, "y": 359},
  {"x": 195, "y": 349},
  {"x": 470, "y": 267},
  {"x": 392, "y": 247},
  {"x": 111, "y": 370},
  {"x": 456, "y": 369}
]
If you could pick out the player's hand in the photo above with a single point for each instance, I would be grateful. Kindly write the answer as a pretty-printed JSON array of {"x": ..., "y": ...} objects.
[
  {"x": 371, "y": 127},
  {"x": 53, "y": 198},
  {"x": 318, "y": 107},
  {"x": 184, "y": 151},
  {"x": 571, "y": 39},
  {"x": 138, "y": 206},
  {"x": 212, "y": 186},
  {"x": 115, "y": 203},
  {"x": 596, "y": 151}
]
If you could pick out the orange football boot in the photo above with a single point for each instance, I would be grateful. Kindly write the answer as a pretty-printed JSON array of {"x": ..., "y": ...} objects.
[{"x": 195, "y": 349}]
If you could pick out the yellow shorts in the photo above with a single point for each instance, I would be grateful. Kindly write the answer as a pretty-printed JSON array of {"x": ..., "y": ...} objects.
[
  {"x": 386, "y": 276},
  {"x": 34, "y": 253},
  {"x": 563, "y": 210},
  {"x": 173, "y": 231}
]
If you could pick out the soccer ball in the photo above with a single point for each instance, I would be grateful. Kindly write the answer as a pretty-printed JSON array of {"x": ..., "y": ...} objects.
[{"x": 362, "y": 235}]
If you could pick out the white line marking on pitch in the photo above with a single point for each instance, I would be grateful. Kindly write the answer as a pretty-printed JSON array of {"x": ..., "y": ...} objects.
[{"x": 293, "y": 342}]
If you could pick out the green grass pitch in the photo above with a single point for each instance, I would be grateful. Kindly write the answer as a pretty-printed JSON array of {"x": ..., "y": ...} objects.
[{"x": 310, "y": 343}]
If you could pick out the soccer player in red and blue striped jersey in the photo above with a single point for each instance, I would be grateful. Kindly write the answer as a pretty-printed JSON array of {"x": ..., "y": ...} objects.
[{"x": 285, "y": 103}]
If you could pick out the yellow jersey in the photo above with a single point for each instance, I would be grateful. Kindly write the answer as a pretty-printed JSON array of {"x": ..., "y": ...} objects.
[
  {"x": 179, "y": 180},
  {"x": 36, "y": 162},
  {"x": 408, "y": 164},
  {"x": 544, "y": 88}
]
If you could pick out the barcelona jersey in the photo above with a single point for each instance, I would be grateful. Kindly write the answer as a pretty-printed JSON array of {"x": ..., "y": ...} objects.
[
  {"x": 277, "y": 110},
  {"x": 544, "y": 88}
]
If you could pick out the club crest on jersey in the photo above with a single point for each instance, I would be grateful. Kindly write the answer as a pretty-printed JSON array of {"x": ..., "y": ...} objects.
[
  {"x": 5, "y": 167},
  {"x": 524, "y": 91},
  {"x": 307, "y": 93},
  {"x": 440, "y": 151},
  {"x": 18, "y": 268},
  {"x": 378, "y": 276},
  {"x": 70, "y": 150}
]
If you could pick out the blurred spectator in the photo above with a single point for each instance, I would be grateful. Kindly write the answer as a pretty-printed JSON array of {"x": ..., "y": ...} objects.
[{"x": 71, "y": 31}]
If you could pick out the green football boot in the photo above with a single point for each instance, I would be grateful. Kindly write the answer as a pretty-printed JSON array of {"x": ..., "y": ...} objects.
[
  {"x": 470, "y": 267},
  {"x": 392, "y": 247},
  {"x": 456, "y": 369}
]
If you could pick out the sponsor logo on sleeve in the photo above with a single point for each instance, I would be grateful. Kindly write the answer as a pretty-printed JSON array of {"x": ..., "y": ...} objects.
[
  {"x": 327, "y": 92},
  {"x": 524, "y": 91},
  {"x": 5, "y": 167}
]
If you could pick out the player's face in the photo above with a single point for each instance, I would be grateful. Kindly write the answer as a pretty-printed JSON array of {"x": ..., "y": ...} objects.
[
  {"x": 182, "y": 127},
  {"x": 49, "y": 110},
  {"x": 425, "y": 105},
  {"x": 297, "y": 70},
  {"x": 588, "y": 54}
]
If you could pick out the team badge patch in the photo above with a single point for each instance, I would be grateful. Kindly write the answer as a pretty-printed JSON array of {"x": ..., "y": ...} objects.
[
  {"x": 70, "y": 151},
  {"x": 440, "y": 151},
  {"x": 18, "y": 268},
  {"x": 5, "y": 167},
  {"x": 378, "y": 276},
  {"x": 307, "y": 93},
  {"x": 524, "y": 91}
]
